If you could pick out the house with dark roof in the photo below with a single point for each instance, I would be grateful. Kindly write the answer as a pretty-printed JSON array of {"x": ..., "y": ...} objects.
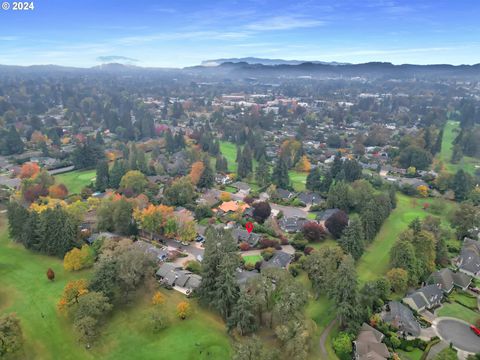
[
  {"x": 280, "y": 260},
  {"x": 283, "y": 194},
  {"x": 468, "y": 261},
  {"x": 243, "y": 276},
  {"x": 369, "y": 346},
  {"x": 160, "y": 254},
  {"x": 292, "y": 224},
  {"x": 446, "y": 280},
  {"x": 242, "y": 235},
  {"x": 241, "y": 186},
  {"x": 310, "y": 198},
  {"x": 325, "y": 215},
  {"x": 401, "y": 317},
  {"x": 183, "y": 280},
  {"x": 427, "y": 297}
]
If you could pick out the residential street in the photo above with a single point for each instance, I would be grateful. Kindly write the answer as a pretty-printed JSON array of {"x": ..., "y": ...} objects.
[{"x": 458, "y": 333}]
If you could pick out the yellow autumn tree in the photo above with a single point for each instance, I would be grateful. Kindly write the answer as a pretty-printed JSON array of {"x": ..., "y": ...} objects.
[
  {"x": 158, "y": 298},
  {"x": 303, "y": 164},
  {"x": 225, "y": 196},
  {"x": 153, "y": 218},
  {"x": 187, "y": 230},
  {"x": 183, "y": 310},
  {"x": 196, "y": 172},
  {"x": 422, "y": 190},
  {"x": 72, "y": 292},
  {"x": 77, "y": 259}
]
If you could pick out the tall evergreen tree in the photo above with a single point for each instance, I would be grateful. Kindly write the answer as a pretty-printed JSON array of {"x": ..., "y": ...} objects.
[
  {"x": 345, "y": 295},
  {"x": 207, "y": 179},
  {"x": 352, "y": 239},
  {"x": 262, "y": 173},
  {"x": 245, "y": 163},
  {"x": 118, "y": 170},
  {"x": 402, "y": 255},
  {"x": 243, "y": 315},
  {"x": 280, "y": 174},
  {"x": 102, "y": 177},
  {"x": 462, "y": 185},
  {"x": 13, "y": 142},
  {"x": 226, "y": 286},
  {"x": 314, "y": 179}
]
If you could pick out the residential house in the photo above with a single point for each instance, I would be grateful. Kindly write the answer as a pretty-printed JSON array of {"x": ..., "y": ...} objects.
[
  {"x": 232, "y": 206},
  {"x": 241, "y": 186},
  {"x": 427, "y": 297},
  {"x": 401, "y": 317},
  {"x": 369, "y": 346},
  {"x": 325, "y": 215},
  {"x": 469, "y": 260},
  {"x": 209, "y": 198},
  {"x": 222, "y": 179},
  {"x": 284, "y": 195},
  {"x": 280, "y": 260},
  {"x": 243, "y": 276},
  {"x": 160, "y": 254},
  {"x": 446, "y": 279},
  {"x": 181, "y": 279},
  {"x": 242, "y": 235},
  {"x": 310, "y": 198},
  {"x": 107, "y": 235},
  {"x": 292, "y": 224}
]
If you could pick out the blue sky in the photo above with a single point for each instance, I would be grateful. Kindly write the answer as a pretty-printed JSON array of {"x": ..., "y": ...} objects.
[{"x": 183, "y": 33}]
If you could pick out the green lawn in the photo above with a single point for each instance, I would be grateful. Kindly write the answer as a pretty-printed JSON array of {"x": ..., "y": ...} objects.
[
  {"x": 415, "y": 354},
  {"x": 252, "y": 259},
  {"x": 458, "y": 311},
  {"x": 76, "y": 180},
  {"x": 48, "y": 335},
  {"x": 298, "y": 179},
  {"x": 229, "y": 150},
  {"x": 464, "y": 299},
  {"x": 467, "y": 163},
  {"x": 311, "y": 216},
  {"x": 375, "y": 260}
]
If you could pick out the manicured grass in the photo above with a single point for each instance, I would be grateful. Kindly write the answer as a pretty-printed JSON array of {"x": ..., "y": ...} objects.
[
  {"x": 464, "y": 299},
  {"x": 48, "y": 335},
  {"x": 375, "y": 261},
  {"x": 229, "y": 150},
  {"x": 467, "y": 163},
  {"x": 76, "y": 180},
  {"x": 458, "y": 311},
  {"x": 252, "y": 259},
  {"x": 230, "y": 189},
  {"x": 321, "y": 244},
  {"x": 298, "y": 179},
  {"x": 415, "y": 354},
  {"x": 311, "y": 216}
]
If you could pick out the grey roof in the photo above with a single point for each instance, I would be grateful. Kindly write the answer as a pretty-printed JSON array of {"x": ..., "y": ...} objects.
[
  {"x": 446, "y": 279},
  {"x": 242, "y": 235},
  {"x": 283, "y": 194},
  {"x": 173, "y": 275},
  {"x": 240, "y": 185},
  {"x": 279, "y": 260},
  {"x": 427, "y": 296},
  {"x": 325, "y": 215},
  {"x": 243, "y": 276},
  {"x": 401, "y": 317},
  {"x": 292, "y": 224},
  {"x": 308, "y": 197},
  {"x": 469, "y": 259},
  {"x": 369, "y": 346}
]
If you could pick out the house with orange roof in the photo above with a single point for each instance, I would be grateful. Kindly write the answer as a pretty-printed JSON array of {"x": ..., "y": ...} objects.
[{"x": 232, "y": 206}]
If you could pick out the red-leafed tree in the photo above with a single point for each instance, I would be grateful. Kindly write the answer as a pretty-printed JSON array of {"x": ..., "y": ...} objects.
[
  {"x": 313, "y": 231},
  {"x": 261, "y": 211},
  {"x": 50, "y": 274}
]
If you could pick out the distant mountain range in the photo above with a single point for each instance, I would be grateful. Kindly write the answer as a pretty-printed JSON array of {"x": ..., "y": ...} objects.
[
  {"x": 238, "y": 69},
  {"x": 254, "y": 60}
]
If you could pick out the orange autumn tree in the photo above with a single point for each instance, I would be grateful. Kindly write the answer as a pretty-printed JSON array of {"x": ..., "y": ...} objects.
[
  {"x": 303, "y": 164},
  {"x": 196, "y": 172},
  {"x": 58, "y": 191},
  {"x": 158, "y": 298},
  {"x": 183, "y": 310},
  {"x": 72, "y": 292},
  {"x": 29, "y": 170}
]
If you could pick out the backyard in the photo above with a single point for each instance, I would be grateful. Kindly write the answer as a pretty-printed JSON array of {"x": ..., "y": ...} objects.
[
  {"x": 48, "y": 335},
  {"x": 76, "y": 180}
]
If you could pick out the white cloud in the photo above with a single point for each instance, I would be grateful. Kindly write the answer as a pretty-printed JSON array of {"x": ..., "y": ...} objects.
[{"x": 285, "y": 23}]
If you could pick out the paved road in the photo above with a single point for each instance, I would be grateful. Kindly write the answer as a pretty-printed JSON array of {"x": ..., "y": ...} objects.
[{"x": 459, "y": 333}]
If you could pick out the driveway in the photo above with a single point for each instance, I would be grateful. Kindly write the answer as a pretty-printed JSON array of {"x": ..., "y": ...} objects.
[
  {"x": 290, "y": 211},
  {"x": 192, "y": 249},
  {"x": 458, "y": 333}
]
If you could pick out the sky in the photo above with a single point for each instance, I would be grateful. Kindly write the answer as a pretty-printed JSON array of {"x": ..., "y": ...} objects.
[{"x": 181, "y": 33}]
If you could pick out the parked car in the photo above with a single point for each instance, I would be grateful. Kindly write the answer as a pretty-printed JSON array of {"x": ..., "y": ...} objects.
[
  {"x": 475, "y": 330},
  {"x": 199, "y": 238},
  {"x": 475, "y": 290},
  {"x": 185, "y": 243}
]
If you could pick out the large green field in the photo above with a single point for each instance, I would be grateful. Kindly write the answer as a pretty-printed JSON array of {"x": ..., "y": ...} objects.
[
  {"x": 375, "y": 260},
  {"x": 298, "y": 179},
  {"x": 48, "y": 335},
  {"x": 76, "y": 180},
  {"x": 229, "y": 150},
  {"x": 467, "y": 163}
]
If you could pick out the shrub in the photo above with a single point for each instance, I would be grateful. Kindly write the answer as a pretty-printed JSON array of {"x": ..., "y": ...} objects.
[
  {"x": 280, "y": 215},
  {"x": 183, "y": 310},
  {"x": 336, "y": 223},
  {"x": 194, "y": 266},
  {"x": 248, "y": 200},
  {"x": 294, "y": 269},
  {"x": 267, "y": 243},
  {"x": 267, "y": 253},
  {"x": 299, "y": 244},
  {"x": 202, "y": 212},
  {"x": 244, "y": 246},
  {"x": 308, "y": 250}
]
